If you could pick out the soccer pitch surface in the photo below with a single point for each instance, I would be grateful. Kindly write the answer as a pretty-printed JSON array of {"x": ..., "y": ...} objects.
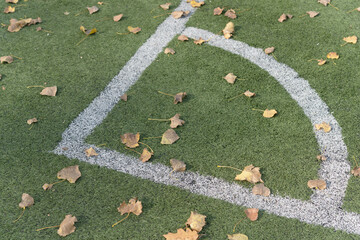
[{"x": 281, "y": 146}]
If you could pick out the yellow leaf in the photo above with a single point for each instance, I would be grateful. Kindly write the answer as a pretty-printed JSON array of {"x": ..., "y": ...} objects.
[
  {"x": 230, "y": 78},
  {"x": 237, "y": 236},
  {"x": 352, "y": 39},
  {"x": 196, "y": 221},
  {"x": 269, "y": 113},
  {"x": 196, "y": 4},
  {"x": 134, "y": 206},
  {"x": 228, "y": 30},
  {"x": 317, "y": 184},
  {"x": 200, "y": 41},
  {"x": 91, "y": 152},
  {"x": 31, "y": 121},
  {"x": 177, "y": 165},
  {"x": 130, "y": 140},
  {"x": 325, "y": 126},
  {"x": 251, "y": 174},
  {"x": 169, "y": 137},
  {"x": 49, "y": 91},
  {"x": 182, "y": 235},
  {"x": 165, "y": 6},
  {"x": 9, "y": 9},
  {"x": 134, "y": 29},
  {"x": 71, "y": 173},
  {"x": 146, "y": 155},
  {"x": 332, "y": 55}
]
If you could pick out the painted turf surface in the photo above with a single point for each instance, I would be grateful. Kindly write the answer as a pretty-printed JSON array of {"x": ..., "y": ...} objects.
[{"x": 26, "y": 165}]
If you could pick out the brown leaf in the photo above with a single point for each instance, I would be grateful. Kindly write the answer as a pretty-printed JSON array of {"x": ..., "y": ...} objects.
[
  {"x": 269, "y": 113},
  {"x": 16, "y": 25},
  {"x": 49, "y": 91},
  {"x": 88, "y": 31},
  {"x": 251, "y": 174},
  {"x": 146, "y": 155},
  {"x": 249, "y": 94},
  {"x": 355, "y": 171},
  {"x": 195, "y": 4},
  {"x": 130, "y": 140},
  {"x": 38, "y": 29},
  {"x": 179, "y": 14},
  {"x": 200, "y": 41},
  {"x": 9, "y": 9},
  {"x": 321, "y": 157},
  {"x": 177, "y": 165},
  {"x": 93, "y": 9},
  {"x": 325, "y": 126},
  {"x": 230, "y": 78},
  {"x": 196, "y": 221},
  {"x": 321, "y": 62},
  {"x": 165, "y": 6},
  {"x": 71, "y": 173},
  {"x": 269, "y": 50},
  {"x": 124, "y": 97},
  {"x": 318, "y": 184},
  {"x": 324, "y": 2},
  {"x": 230, "y": 14},
  {"x": 182, "y": 235},
  {"x": 169, "y": 137},
  {"x": 312, "y": 14},
  {"x": 32, "y": 120},
  {"x": 176, "y": 121},
  {"x": 100, "y": 3},
  {"x": 91, "y": 152},
  {"x": 282, "y": 18},
  {"x": 169, "y": 51},
  {"x": 228, "y": 30},
  {"x": 252, "y": 213},
  {"x": 67, "y": 226},
  {"x": 237, "y": 236},
  {"x": 183, "y": 38},
  {"x": 47, "y": 186},
  {"x": 12, "y": 1},
  {"x": 6, "y": 59},
  {"x": 218, "y": 11},
  {"x": 134, "y": 206},
  {"x": 352, "y": 39},
  {"x": 179, "y": 97},
  {"x": 26, "y": 201},
  {"x": 134, "y": 30},
  {"x": 117, "y": 17},
  {"x": 332, "y": 55},
  {"x": 260, "y": 189},
  {"x": 289, "y": 16}
]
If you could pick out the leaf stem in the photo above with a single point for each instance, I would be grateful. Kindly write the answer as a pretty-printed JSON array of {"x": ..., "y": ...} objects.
[
  {"x": 82, "y": 40},
  {"x": 166, "y": 94},
  {"x": 22, "y": 213},
  {"x": 333, "y": 6},
  {"x": 123, "y": 33},
  {"x": 302, "y": 15},
  {"x": 100, "y": 145},
  {"x": 132, "y": 150},
  {"x": 343, "y": 44},
  {"x": 238, "y": 223},
  {"x": 351, "y": 10},
  {"x": 255, "y": 109},
  {"x": 16, "y": 57},
  {"x": 230, "y": 99},
  {"x": 147, "y": 146},
  {"x": 35, "y": 86},
  {"x": 355, "y": 162},
  {"x": 47, "y": 227},
  {"x": 229, "y": 167},
  {"x": 121, "y": 220},
  {"x": 59, "y": 182},
  {"x": 157, "y": 119}
]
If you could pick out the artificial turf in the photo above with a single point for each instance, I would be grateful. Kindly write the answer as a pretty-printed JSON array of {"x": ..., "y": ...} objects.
[{"x": 81, "y": 72}]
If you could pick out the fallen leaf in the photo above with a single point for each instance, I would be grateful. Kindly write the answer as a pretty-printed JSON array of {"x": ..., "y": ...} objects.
[
  {"x": 71, "y": 173},
  {"x": 332, "y": 55},
  {"x": 9, "y": 9},
  {"x": 124, "y": 97},
  {"x": 269, "y": 50},
  {"x": 321, "y": 62},
  {"x": 283, "y": 17},
  {"x": 134, "y": 30},
  {"x": 179, "y": 14},
  {"x": 183, "y": 38},
  {"x": 230, "y": 78},
  {"x": 325, "y": 126},
  {"x": 312, "y": 14},
  {"x": 355, "y": 171},
  {"x": 38, "y": 29},
  {"x": 269, "y": 113},
  {"x": 93, "y": 9},
  {"x": 230, "y": 14},
  {"x": 196, "y": 221},
  {"x": 200, "y": 41},
  {"x": 218, "y": 11},
  {"x": 289, "y": 16},
  {"x": 195, "y": 4},
  {"x": 118, "y": 17},
  {"x": 324, "y": 2},
  {"x": 47, "y": 186},
  {"x": 260, "y": 189},
  {"x": 100, "y": 3},
  {"x": 49, "y": 91},
  {"x": 321, "y": 157},
  {"x": 0, "y": 76},
  {"x": 88, "y": 31},
  {"x": 66, "y": 13},
  {"x": 179, "y": 97},
  {"x": 182, "y": 235},
  {"x": 134, "y": 206},
  {"x": 169, "y": 137},
  {"x": 249, "y": 94},
  {"x": 6, "y": 59},
  {"x": 12, "y": 1},
  {"x": 228, "y": 30},
  {"x": 169, "y": 51},
  {"x": 177, "y": 165},
  {"x": 130, "y": 140},
  {"x": 146, "y": 155},
  {"x": 26, "y": 201},
  {"x": 91, "y": 152},
  {"x": 352, "y": 39},
  {"x": 252, "y": 213},
  {"x": 32, "y": 120},
  {"x": 237, "y": 236},
  {"x": 251, "y": 174},
  {"x": 67, "y": 226},
  {"x": 165, "y": 6},
  {"x": 16, "y": 25},
  {"x": 318, "y": 184},
  {"x": 176, "y": 121}
]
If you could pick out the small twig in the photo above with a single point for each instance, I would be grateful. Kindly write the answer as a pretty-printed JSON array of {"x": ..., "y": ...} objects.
[
  {"x": 230, "y": 99},
  {"x": 166, "y": 94},
  {"x": 82, "y": 40},
  {"x": 58, "y": 182},
  {"x": 47, "y": 227},
  {"x": 16, "y": 57},
  {"x": 352, "y": 10},
  {"x": 333, "y": 6},
  {"x": 302, "y": 16},
  {"x": 343, "y": 44},
  {"x": 229, "y": 167},
  {"x": 238, "y": 223},
  {"x": 22, "y": 213},
  {"x": 121, "y": 220},
  {"x": 147, "y": 146},
  {"x": 31, "y": 126},
  {"x": 132, "y": 150}
]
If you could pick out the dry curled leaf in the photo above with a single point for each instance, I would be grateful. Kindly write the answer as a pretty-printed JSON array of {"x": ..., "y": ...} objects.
[
  {"x": 176, "y": 121},
  {"x": 145, "y": 155},
  {"x": 49, "y": 91},
  {"x": 317, "y": 184},
  {"x": 179, "y": 97},
  {"x": 12, "y": 1},
  {"x": 324, "y": 2},
  {"x": 169, "y": 137},
  {"x": 237, "y": 236},
  {"x": 134, "y": 206},
  {"x": 230, "y": 14},
  {"x": 196, "y": 4},
  {"x": 321, "y": 158},
  {"x": 92, "y": 9},
  {"x": 124, "y": 97},
  {"x": 130, "y": 140},
  {"x": 218, "y": 11},
  {"x": 6, "y": 59},
  {"x": 179, "y": 14},
  {"x": 66, "y": 13},
  {"x": 71, "y": 173},
  {"x": 88, "y": 31},
  {"x": 249, "y": 94},
  {"x": 38, "y": 29},
  {"x": 352, "y": 39},
  {"x": 355, "y": 171},
  {"x": 321, "y": 62},
  {"x": 16, "y": 25},
  {"x": 284, "y": 17},
  {"x": 134, "y": 30},
  {"x": 91, "y": 152},
  {"x": 31, "y": 121},
  {"x": 177, "y": 165},
  {"x": 169, "y": 51},
  {"x": 196, "y": 221},
  {"x": 100, "y": 3},
  {"x": 260, "y": 189},
  {"x": 325, "y": 126},
  {"x": 67, "y": 226},
  {"x": 252, "y": 213},
  {"x": 181, "y": 234},
  {"x": 47, "y": 186},
  {"x": 183, "y": 38},
  {"x": 312, "y": 14},
  {"x": 251, "y": 174},
  {"x": 26, "y": 201},
  {"x": 165, "y": 6},
  {"x": 230, "y": 78},
  {"x": 9, "y": 9},
  {"x": 332, "y": 55},
  {"x": 228, "y": 30},
  {"x": 269, "y": 113},
  {"x": 200, "y": 41},
  {"x": 117, "y": 17},
  {"x": 269, "y": 50}
]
